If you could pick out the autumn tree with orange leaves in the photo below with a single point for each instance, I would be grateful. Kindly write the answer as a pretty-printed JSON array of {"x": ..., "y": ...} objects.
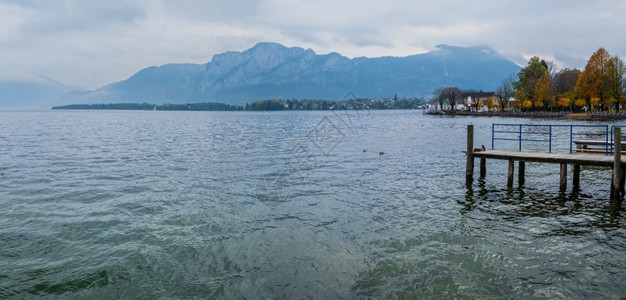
[
  {"x": 602, "y": 80},
  {"x": 600, "y": 85}
]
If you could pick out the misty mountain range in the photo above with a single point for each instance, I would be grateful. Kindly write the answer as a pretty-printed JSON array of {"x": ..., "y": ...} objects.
[{"x": 271, "y": 70}]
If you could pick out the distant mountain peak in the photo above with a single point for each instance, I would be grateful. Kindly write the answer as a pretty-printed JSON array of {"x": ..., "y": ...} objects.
[{"x": 268, "y": 46}]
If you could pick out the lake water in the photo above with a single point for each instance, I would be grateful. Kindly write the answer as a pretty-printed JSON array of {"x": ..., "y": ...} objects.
[{"x": 132, "y": 204}]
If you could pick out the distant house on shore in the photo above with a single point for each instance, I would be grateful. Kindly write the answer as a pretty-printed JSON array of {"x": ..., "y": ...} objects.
[{"x": 481, "y": 101}]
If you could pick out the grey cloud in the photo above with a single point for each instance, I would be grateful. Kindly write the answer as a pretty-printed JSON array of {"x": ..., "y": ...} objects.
[
  {"x": 58, "y": 17},
  {"x": 133, "y": 34},
  {"x": 224, "y": 11}
]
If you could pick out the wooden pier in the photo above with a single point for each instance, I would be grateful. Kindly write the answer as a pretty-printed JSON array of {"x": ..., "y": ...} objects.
[{"x": 576, "y": 159}]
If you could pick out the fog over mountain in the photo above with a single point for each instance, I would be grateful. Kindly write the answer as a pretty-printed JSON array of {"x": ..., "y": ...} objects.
[
  {"x": 38, "y": 94},
  {"x": 271, "y": 70}
]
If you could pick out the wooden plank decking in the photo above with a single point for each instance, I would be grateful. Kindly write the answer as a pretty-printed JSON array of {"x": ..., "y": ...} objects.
[
  {"x": 576, "y": 159},
  {"x": 573, "y": 159},
  {"x": 595, "y": 146}
]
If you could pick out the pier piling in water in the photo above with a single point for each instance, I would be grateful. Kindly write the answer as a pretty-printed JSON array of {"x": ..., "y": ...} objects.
[
  {"x": 483, "y": 167},
  {"x": 576, "y": 176},
  {"x": 616, "y": 186},
  {"x": 469, "y": 167},
  {"x": 563, "y": 181},
  {"x": 509, "y": 182}
]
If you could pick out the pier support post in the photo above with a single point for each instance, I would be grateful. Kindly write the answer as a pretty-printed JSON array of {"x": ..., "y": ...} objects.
[
  {"x": 617, "y": 163},
  {"x": 576, "y": 176},
  {"x": 563, "y": 182},
  {"x": 469, "y": 167},
  {"x": 509, "y": 182},
  {"x": 483, "y": 167},
  {"x": 521, "y": 173}
]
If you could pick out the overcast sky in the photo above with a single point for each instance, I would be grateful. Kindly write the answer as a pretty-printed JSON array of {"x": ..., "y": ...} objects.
[{"x": 93, "y": 43}]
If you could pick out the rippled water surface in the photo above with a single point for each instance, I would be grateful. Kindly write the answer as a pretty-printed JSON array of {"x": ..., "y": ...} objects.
[{"x": 125, "y": 204}]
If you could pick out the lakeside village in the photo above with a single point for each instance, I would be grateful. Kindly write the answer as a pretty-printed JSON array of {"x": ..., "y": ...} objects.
[
  {"x": 540, "y": 90},
  {"x": 598, "y": 91}
]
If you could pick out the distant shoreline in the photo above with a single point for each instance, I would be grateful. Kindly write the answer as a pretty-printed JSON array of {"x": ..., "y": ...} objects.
[
  {"x": 359, "y": 105},
  {"x": 263, "y": 105}
]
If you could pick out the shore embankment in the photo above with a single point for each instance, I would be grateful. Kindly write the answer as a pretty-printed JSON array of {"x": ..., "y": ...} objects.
[{"x": 596, "y": 115}]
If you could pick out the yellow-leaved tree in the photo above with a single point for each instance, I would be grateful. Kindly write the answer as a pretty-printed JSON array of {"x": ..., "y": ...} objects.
[
  {"x": 563, "y": 102},
  {"x": 609, "y": 103},
  {"x": 542, "y": 90},
  {"x": 580, "y": 102},
  {"x": 594, "y": 102}
]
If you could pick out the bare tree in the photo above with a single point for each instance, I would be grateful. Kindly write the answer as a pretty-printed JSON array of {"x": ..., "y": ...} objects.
[
  {"x": 452, "y": 94},
  {"x": 565, "y": 81}
]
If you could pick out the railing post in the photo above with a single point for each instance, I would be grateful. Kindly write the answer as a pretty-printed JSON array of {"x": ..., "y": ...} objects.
[
  {"x": 493, "y": 135},
  {"x": 571, "y": 137},
  {"x": 550, "y": 139},
  {"x": 611, "y": 145},
  {"x": 469, "y": 171},
  {"x": 617, "y": 163},
  {"x": 520, "y": 137},
  {"x": 606, "y": 136}
]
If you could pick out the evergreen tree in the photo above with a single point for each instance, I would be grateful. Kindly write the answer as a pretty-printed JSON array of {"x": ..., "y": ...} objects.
[{"x": 528, "y": 78}]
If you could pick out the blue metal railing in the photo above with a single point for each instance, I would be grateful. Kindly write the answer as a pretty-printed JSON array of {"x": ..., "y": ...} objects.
[
  {"x": 534, "y": 133},
  {"x": 611, "y": 147}
]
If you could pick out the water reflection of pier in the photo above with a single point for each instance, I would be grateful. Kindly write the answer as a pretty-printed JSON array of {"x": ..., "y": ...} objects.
[{"x": 609, "y": 158}]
